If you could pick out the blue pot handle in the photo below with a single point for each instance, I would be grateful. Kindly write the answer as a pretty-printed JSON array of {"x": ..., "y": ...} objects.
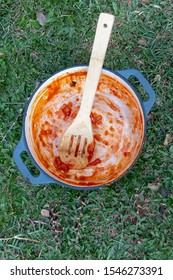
[
  {"x": 42, "y": 178},
  {"x": 149, "y": 90}
]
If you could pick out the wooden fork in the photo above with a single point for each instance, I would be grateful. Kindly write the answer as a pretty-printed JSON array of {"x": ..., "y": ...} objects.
[{"x": 74, "y": 145}]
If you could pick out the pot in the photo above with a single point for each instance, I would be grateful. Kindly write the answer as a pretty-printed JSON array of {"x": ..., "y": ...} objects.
[{"x": 119, "y": 118}]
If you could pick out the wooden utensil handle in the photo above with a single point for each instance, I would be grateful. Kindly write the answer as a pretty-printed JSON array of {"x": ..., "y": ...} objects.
[{"x": 101, "y": 40}]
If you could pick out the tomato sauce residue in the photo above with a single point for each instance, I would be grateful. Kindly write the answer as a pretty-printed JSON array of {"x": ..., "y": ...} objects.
[
  {"x": 117, "y": 122},
  {"x": 96, "y": 119},
  {"x": 90, "y": 150},
  {"x": 67, "y": 110},
  {"x": 112, "y": 129},
  {"x": 95, "y": 162},
  {"x": 60, "y": 166},
  {"x": 46, "y": 132},
  {"x": 99, "y": 138},
  {"x": 127, "y": 154}
]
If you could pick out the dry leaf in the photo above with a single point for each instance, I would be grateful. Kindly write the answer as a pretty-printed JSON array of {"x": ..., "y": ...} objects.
[
  {"x": 2, "y": 54},
  {"x": 146, "y": 1},
  {"x": 137, "y": 12},
  {"x": 154, "y": 186},
  {"x": 157, "y": 7},
  {"x": 34, "y": 54},
  {"x": 168, "y": 139},
  {"x": 45, "y": 213},
  {"x": 150, "y": 117},
  {"x": 41, "y": 18},
  {"x": 142, "y": 41},
  {"x": 157, "y": 78},
  {"x": 113, "y": 233},
  {"x": 47, "y": 204}
]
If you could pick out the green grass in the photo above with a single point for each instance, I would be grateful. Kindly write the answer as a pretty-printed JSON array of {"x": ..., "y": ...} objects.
[{"x": 127, "y": 220}]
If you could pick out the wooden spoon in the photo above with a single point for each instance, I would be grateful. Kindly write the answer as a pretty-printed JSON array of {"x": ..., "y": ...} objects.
[{"x": 78, "y": 138}]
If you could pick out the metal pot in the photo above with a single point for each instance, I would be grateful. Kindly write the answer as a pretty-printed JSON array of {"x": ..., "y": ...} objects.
[{"x": 119, "y": 118}]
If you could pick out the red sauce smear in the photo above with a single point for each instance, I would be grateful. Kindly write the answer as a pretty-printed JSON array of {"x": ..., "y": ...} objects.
[
  {"x": 61, "y": 166},
  {"x": 99, "y": 139},
  {"x": 112, "y": 129},
  {"x": 67, "y": 109},
  {"x": 127, "y": 154},
  {"x": 46, "y": 132},
  {"x": 106, "y": 133},
  {"x": 96, "y": 119},
  {"x": 95, "y": 162},
  {"x": 83, "y": 178},
  {"x": 90, "y": 150}
]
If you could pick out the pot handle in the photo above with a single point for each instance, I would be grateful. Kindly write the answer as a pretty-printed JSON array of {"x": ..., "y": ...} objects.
[
  {"x": 42, "y": 178},
  {"x": 149, "y": 90}
]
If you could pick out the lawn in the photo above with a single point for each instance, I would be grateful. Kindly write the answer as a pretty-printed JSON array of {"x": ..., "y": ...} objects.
[{"x": 132, "y": 218}]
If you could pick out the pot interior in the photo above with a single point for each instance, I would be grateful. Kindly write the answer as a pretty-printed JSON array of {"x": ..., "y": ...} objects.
[{"x": 117, "y": 120}]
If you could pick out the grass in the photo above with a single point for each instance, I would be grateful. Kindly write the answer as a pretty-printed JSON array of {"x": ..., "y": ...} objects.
[{"x": 133, "y": 218}]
